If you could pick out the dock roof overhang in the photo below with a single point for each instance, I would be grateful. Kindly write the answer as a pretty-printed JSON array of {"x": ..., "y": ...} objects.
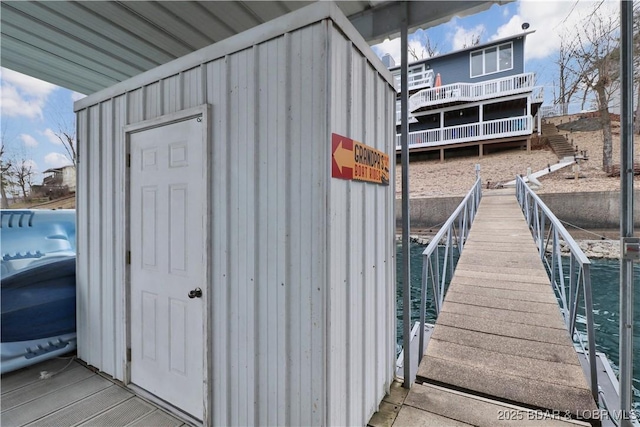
[{"x": 87, "y": 46}]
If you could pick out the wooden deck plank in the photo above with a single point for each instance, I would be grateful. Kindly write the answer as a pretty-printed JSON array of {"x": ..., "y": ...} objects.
[
  {"x": 495, "y": 276},
  {"x": 43, "y": 387},
  {"x": 130, "y": 410},
  {"x": 511, "y": 316},
  {"x": 500, "y": 332},
  {"x": 38, "y": 408},
  {"x": 473, "y": 410},
  {"x": 157, "y": 418},
  {"x": 474, "y": 257},
  {"x": 502, "y": 328},
  {"x": 410, "y": 416},
  {"x": 493, "y": 291},
  {"x": 506, "y": 345},
  {"x": 512, "y": 304},
  {"x": 512, "y": 388},
  {"x": 74, "y": 395},
  {"x": 85, "y": 409},
  {"x": 24, "y": 377},
  {"x": 527, "y": 275},
  {"x": 521, "y": 365}
]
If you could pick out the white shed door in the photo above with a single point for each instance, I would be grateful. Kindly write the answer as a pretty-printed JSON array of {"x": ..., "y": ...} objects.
[{"x": 168, "y": 258}]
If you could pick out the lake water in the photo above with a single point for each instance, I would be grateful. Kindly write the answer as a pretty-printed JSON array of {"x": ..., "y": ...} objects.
[{"x": 605, "y": 280}]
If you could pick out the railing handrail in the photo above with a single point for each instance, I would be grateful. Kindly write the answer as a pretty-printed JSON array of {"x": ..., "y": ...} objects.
[
  {"x": 463, "y": 215},
  {"x": 483, "y": 136},
  {"x": 539, "y": 217},
  {"x": 573, "y": 245},
  {"x": 449, "y": 222},
  {"x": 416, "y": 78},
  {"x": 472, "y": 91}
]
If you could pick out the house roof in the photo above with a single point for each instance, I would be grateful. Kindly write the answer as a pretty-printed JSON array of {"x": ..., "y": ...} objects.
[
  {"x": 60, "y": 169},
  {"x": 469, "y": 49},
  {"x": 87, "y": 46}
]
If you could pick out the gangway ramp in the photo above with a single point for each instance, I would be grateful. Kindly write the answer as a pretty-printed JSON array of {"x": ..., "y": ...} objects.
[{"x": 500, "y": 334}]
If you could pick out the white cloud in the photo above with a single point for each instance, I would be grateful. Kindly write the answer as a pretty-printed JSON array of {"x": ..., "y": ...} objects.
[
  {"x": 392, "y": 47},
  {"x": 552, "y": 21},
  {"x": 31, "y": 163},
  {"x": 28, "y": 140},
  {"x": 464, "y": 37},
  {"x": 23, "y": 95},
  {"x": 75, "y": 96},
  {"x": 56, "y": 160},
  {"x": 13, "y": 104},
  {"x": 28, "y": 85},
  {"x": 51, "y": 136}
]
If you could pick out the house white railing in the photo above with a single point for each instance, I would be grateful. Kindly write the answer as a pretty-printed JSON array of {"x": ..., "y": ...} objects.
[
  {"x": 537, "y": 97},
  {"x": 416, "y": 80},
  {"x": 502, "y": 128},
  {"x": 399, "y": 115},
  {"x": 471, "y": 92}
]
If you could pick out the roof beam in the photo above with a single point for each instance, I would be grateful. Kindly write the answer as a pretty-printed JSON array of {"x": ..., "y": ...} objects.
[{"x": 383, "y": 21}]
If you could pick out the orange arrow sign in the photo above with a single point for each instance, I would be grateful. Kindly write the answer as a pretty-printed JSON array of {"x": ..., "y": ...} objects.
[
  {"x": 343, "y": 157},
  {"x": 356, "y": 161}
]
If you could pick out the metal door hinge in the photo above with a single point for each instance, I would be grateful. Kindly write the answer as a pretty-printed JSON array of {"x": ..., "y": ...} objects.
[
  {"x": 128, "y": 258},
  {"x": 128, "y": 354}
]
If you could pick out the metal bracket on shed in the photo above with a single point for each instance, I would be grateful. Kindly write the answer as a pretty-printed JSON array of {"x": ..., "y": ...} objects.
[{"x": 631, "y": 248}]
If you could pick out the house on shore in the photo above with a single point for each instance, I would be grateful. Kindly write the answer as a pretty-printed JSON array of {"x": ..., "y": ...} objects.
[
  {"x": 479, "y": 96},
  {"x": 57, "y": 182}
]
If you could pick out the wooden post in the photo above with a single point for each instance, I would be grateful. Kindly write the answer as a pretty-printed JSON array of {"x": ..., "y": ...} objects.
[{"x": 442, "y": 155}]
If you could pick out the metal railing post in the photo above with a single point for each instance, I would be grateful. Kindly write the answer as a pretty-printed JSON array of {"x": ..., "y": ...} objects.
[{"x": 591, "y": 333}]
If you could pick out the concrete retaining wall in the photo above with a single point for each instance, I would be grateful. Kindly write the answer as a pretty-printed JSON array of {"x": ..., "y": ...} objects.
[
  {"x": 593, "y": 210},
  {"x": 590, "y": 210},
  {"x": 428, "y": 212}
]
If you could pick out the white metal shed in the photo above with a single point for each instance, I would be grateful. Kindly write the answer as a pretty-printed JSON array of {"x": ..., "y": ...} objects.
[{"x": 222, "y": 267}]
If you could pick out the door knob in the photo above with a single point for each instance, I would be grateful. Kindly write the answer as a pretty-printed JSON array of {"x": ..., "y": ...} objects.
[{"x": 195, "y": 293}]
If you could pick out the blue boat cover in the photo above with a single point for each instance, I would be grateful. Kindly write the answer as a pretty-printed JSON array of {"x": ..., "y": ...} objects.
[{"x": 38, "y": 286}]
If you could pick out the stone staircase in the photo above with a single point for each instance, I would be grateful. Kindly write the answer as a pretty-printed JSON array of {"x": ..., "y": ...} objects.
[{"x": 559, "y": 143}]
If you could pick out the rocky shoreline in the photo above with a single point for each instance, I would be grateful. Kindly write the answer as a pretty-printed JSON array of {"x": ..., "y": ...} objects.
[{"x": 604, "y": 248}]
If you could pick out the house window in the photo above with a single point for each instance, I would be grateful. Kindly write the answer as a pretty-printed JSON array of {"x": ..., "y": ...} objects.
[{"x": 492, "y": 60}]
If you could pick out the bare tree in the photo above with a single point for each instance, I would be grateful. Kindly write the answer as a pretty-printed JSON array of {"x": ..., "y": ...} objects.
[
  {"x": 23, "y": 174},
  {"x": 66, "y": 130},
  {"x": 475, "y": 40},
  {"x": 68, "y": 140},
  {"x": 427, "y": 50},
  {"x": 5, "y": 176},
  {"x": 569, "y": 83},
  {"x": 596, "y": 66}
]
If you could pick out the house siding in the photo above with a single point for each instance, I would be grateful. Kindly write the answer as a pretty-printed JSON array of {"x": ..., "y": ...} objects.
[{"x": 455, "y": 67}]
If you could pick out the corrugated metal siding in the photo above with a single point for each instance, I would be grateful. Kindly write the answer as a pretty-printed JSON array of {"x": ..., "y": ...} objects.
[
  {"x": 302, "y": 322},
  {"x": 362, "y": 291}
]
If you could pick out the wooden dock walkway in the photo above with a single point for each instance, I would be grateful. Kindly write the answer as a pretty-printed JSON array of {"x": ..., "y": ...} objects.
[{"x": 499, "y": 340}]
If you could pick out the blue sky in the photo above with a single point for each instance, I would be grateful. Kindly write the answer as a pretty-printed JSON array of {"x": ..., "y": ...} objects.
[{"x": 32, "y": 111}]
